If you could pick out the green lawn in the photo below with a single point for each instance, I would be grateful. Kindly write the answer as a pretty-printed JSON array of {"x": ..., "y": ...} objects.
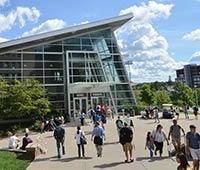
[{"x": 8, "y": 161}]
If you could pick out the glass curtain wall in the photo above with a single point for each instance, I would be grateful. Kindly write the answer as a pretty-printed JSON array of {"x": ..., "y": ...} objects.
[{"x": 96, "y": 58}]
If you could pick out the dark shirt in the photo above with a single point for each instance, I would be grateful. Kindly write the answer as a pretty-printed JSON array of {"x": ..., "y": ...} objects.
[
  {"x": 194, "y": 139},
  {"x": 59, "y": 133},
  {"x": 126, "y": 135},
  {"x": 25, "y": 142}
]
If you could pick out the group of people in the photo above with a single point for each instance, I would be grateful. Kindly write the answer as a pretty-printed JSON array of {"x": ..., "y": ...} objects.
[
  {"x": 153, "y": 112},
  {"x": 191, "y": 148},
  {"x": 14, "y": 141}
]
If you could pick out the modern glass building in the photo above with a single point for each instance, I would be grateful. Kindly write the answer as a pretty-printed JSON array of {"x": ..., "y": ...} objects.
[{"x": 80, "y": 66}]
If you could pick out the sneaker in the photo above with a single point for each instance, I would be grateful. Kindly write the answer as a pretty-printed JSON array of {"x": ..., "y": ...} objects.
[
  {"x": 126, "y": 161},
  {"x": 132, "y": 160}
]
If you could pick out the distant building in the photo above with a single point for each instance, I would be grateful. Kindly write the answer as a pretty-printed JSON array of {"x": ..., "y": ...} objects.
[{"x": 190, "y": 75}]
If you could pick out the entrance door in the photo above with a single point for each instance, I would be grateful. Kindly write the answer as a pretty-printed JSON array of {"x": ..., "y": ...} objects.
[
  {"x": 79, "y": 105},
  {"x": 94, "y": 102}
]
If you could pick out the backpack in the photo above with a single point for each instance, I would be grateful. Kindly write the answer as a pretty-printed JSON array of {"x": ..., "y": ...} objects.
[{"x": 59, "y": 133}]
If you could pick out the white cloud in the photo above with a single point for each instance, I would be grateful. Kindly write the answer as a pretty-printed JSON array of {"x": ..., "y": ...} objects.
[
  {"x": 3, "y": 2},
  {"x": 84, "y": 22},
  {"x": 49, "y": 25},
  {"x": 193, "y": 36},
  {"x": 21, "y": 15},
  {"x": 3, "y": 39},
  {"x": 147, "y": 49},
  {"x": 195, "y": 58}
]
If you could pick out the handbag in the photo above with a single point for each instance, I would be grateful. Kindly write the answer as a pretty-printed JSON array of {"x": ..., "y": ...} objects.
[{"x": 83, "y": 139}]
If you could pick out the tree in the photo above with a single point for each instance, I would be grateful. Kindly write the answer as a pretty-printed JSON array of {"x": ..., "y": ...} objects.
[
  {"x": 162, "y": 97},
  {"x": 147, "y": 95},
  {"x": 24, "y": 99},
  {"x": 182, "y": 95}
]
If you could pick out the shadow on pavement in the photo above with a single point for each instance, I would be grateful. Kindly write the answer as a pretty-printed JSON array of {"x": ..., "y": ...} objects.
[
  {"x": 152, "y": 159},
  {"x": 88, "y": 133},
  {"x": 110, "y": 165},
  {"x": 44, "y": 159},
  {"x": 111, "y": 143},
  {"x": 71, "y": 159}
]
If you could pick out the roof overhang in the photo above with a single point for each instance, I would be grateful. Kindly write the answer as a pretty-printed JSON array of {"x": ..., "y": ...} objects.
[{"x": 113, "y": 23}]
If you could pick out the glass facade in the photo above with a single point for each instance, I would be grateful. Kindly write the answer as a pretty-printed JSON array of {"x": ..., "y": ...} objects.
[{"x": 77, "y": 72}]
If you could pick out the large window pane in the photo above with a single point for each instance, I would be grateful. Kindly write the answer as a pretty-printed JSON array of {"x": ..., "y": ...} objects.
[
  {"x": 55, "y": 89},
  {"x": 53, "y": 48},
  {"x": 53, "y": 65},
  {"x": 33, "y": 72},
  {"x": 10, "y": 65},
  {"x": 53, "y": 73},
  {"x": 32, "y": 65},
  {"x": 33, "y": 57},
  {"x": 10, "y": 56},
  {"x": 53, "y": 57},
  {"x": 54, "y": 80}
]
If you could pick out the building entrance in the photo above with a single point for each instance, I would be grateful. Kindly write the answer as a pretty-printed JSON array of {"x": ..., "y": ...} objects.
[{"x": 80, "y": 104}]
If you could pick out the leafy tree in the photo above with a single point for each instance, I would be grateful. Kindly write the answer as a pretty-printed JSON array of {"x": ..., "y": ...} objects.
[
  {"x": 182, "y": 94},
  {"x": 147, "y": 95},
  {"x": 162, "y": 97},
  {"x": 24, "y": 99}
]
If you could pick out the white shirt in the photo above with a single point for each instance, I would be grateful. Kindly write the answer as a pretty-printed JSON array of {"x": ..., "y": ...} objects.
[
  {"x": 13, "y": 142},
  {"x": 78, "y": 137},
  {"x": 159, "y": 136}
]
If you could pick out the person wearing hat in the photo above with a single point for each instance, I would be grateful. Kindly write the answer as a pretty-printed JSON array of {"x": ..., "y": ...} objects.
[
  {"x": 192, "y": 146},
  {"x": 98, "y": 136},
  {"x": 175, "y": 134}
]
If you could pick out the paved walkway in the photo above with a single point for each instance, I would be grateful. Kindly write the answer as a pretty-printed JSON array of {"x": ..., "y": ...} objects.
[{"x": 113, "y": 156}]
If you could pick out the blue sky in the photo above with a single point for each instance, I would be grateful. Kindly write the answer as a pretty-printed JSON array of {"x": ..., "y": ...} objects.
[{"x": 182, "y": 20}]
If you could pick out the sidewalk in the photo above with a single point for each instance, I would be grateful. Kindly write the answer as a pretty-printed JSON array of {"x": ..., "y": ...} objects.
[{"x": 113, "y": 156}]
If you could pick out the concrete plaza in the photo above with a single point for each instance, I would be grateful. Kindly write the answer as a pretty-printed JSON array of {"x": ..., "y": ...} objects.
[{"x": 113, "y": 156}]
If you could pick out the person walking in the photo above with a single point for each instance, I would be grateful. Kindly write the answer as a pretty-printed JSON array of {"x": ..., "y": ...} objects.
[
  {"x": 156, "y": 115},
  {"x": 149, "y": 143},
  {"x": 119, "y": 125},
  {"x": 59, "y": 135},
  {"x": 175, "y": 134},
  {"x": 82, "y": 117},
  {"x": 192, "y": 146},
  {"x": 80, "y": 141},
  {"x": 195, "y": 112},
  {"x": 98, "y": 136},
  {"x": 129, "y": 121},
  {"x": 159, "y": 138},
  {"x": 183, "y": 163},
  {"x": 126, "y": 137}
]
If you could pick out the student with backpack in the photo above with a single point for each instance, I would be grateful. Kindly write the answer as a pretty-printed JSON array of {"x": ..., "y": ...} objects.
[
  {"x": 59, "y": 135},
  {"x": 80, "y": 141}
]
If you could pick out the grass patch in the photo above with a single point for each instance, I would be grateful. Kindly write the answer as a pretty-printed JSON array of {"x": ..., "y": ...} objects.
[{"x": 8, "y": 161}]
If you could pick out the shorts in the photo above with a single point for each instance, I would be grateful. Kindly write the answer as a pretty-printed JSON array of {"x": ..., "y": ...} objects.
[
  {"x": 127, "y": 147},
  {"x": 195, "y": 153},
  {"x": 176, "y": 140}
]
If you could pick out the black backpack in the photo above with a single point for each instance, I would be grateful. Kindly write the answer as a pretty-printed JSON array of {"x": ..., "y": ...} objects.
[{"x": 59, "y": 133}]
